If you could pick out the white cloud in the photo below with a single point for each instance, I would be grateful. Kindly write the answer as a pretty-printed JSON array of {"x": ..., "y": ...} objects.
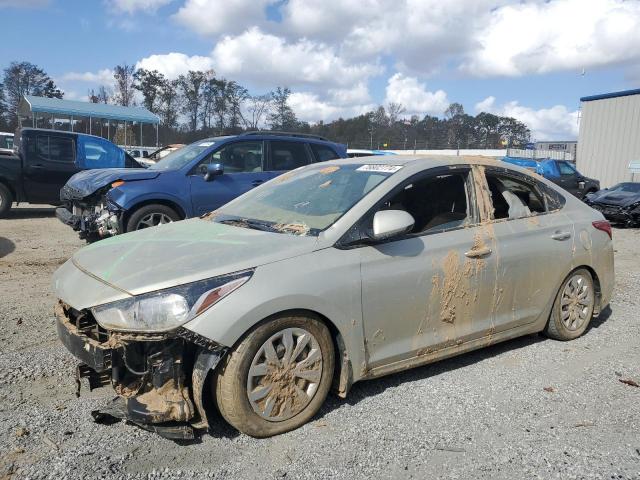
[
  {"x": 311, "y": 108},
  {"x": 132, "y": 6},
  {"x": 213, "y": 17},
  {"x": 104, "y": 76},
  {"x": 265, "y": 59},
  {"x": 414, "y": 96},
  {"x": 555, "y": 123},
  {"x": 174, "y": 64},
  {"x": 540, "y": 37}
]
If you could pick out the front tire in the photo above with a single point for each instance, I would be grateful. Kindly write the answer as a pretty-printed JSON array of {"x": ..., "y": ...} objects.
[
  {"x": 573, "y": 307},
  {"x": 151, "y": 216},
  {"x": 277, "y": 378},
  {"x": 6, "y": 199}
]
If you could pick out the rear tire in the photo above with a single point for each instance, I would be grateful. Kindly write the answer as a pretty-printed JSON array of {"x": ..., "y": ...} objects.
[
  {"x": 6, "y": 199},
  {"x": 277, "y": 378},
  {"x": 573, "y": 307},
  {"x": 150, "y": 216}
]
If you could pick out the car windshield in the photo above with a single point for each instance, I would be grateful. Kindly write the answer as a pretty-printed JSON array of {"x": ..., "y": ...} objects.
[
  {"x": 626, "y": 187},
  {"x": 304, "y": 201},
  {"x": 183, "y": 156}
]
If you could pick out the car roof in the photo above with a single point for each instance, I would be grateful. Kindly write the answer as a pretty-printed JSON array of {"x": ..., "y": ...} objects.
[{"x": 419, "y": 160}]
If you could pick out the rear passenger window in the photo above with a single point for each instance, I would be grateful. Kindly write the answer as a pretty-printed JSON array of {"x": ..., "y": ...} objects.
[
  {"x": 55, "y": 149},
  {"x": 513, "y": 198},
  {"x": 555, "y": 201},
  {"x": 288, "y": 155},
  {"x": 323, "y": 153}
]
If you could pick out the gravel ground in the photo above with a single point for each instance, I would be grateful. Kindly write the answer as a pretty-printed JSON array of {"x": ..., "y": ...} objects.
[{"x": 527, "y": 408}]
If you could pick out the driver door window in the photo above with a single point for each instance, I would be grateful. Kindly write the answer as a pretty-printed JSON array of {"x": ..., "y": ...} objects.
[
  {"x": 238, "y": 157},
  {"x": 437, "y": 203},
  {"x": 566, "y": 168}
]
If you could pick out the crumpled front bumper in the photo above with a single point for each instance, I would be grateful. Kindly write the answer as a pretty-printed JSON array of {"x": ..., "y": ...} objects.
[
  {"x": 617, "y": 214},
  {"x": 100, "y": 221},
  {"x": 159, "y": 379}
]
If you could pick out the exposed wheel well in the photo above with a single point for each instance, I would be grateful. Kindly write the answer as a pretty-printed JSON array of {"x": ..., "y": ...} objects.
[
  {"x": 168, "y": 203},
  {"x": 10, "y": 188},
  {"x": 342, "y": 377},
  {"x": 596, "y": 286}
]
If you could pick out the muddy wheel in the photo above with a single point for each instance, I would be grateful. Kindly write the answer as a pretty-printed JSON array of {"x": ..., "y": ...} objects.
[
  {"x": 151, "y": 216},
  {"x": 277, "y": 378},
  {"x": 6, "y": 199},
  {"x": 573, "y": 308}
]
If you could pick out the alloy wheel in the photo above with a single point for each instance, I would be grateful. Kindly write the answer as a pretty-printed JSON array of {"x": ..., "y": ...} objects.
[
  {"x": 285, "y": 374},
  {"x": 576, "y": 304},
  {"x": 153, "y": 220}
]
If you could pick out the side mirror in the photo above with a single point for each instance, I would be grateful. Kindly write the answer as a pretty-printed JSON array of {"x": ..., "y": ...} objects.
[
  {"x": 213, "y": 170},
  {"x": 389, "y": 223}
]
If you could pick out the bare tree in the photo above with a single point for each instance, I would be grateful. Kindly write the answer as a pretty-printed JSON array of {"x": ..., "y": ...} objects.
[
  {"x": 103, "y": 94},
  {"x": 124, "y": 84},
  {"x": 236, "y": 96},
  {"x": 191, "y": 86},
  {"x": 257, "y": 110},
  {"x": 394, "y": 110}
]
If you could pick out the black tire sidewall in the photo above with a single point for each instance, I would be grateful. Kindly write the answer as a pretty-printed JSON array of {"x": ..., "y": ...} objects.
[
  {"x": 252, "y": 423},
  {"x": 7, "y": 200},
  {"x": 138, "y": 214}
]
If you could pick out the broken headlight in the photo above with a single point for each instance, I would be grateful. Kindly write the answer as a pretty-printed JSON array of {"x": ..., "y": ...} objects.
[{"x": 167, "y": 309}]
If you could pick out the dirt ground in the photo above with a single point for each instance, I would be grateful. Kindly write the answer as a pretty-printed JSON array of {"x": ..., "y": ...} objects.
[{"x": 527, "y": 408}]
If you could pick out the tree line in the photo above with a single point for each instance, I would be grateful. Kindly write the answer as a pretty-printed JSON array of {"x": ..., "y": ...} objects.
[{"x": 199, "y": 104}]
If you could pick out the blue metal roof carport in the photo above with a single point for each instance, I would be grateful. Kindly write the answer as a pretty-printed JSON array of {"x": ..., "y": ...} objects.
[{"x": 31, "y": 105}]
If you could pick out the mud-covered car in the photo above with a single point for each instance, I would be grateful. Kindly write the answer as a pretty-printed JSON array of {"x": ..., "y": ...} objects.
[
  {"x": 328, "y": 275},
  {"x": 619, "y": 204}
]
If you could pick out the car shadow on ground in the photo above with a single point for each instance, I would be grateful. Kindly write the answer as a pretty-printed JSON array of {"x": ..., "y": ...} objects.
[
  {"x": 6, "y": 247},
  {"x": 368, "y": 388},
  {"x": 30, "y": 212}
]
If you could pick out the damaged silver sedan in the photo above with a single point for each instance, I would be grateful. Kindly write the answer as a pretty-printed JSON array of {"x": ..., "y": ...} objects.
[{"x": 328, "y": 275}]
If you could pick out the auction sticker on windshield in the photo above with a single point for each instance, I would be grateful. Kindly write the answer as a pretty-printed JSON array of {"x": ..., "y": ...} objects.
[
  {"x": 205, "y": 144},
  {"x": 379, "y": 168}
]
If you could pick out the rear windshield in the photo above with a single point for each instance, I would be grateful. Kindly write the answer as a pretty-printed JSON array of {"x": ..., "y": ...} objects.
[{"x": 626, "y": 187}]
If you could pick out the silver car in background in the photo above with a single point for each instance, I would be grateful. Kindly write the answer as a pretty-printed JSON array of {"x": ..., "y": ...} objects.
[{"x": 330, "y": 274}]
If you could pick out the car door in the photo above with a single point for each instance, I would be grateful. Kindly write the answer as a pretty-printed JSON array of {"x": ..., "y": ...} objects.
[
  {"x": 285, "y": 155},
  {"x": 427, "y": 290},
  {"x": 533, "y": 246},
  {"x": 50, "y": 163},
  {"x": 570, "y": 178},
  {"x": 243, "y": 163}
]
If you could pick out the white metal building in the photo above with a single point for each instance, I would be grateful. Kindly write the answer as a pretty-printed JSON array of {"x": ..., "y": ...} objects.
[{"x": 609, "y": 138}]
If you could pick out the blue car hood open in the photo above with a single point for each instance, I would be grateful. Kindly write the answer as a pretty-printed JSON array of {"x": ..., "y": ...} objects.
[{"x": 86, "y": 182}]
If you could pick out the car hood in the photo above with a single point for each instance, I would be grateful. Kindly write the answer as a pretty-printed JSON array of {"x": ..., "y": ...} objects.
[
  {"x": 86, "y": 182},
  {"x": 183, "y": 252},
  {"x": 621, "y": 199}
]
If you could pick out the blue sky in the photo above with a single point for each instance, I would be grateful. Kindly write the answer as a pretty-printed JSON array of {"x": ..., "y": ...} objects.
[{"x": 529, "y": 59}]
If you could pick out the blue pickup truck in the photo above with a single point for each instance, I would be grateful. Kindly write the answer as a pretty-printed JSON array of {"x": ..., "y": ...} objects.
[
  {"x": 42, "y": 161},
  {"x": 189, "y": 182},
  {"x": 560, "y": 172}
]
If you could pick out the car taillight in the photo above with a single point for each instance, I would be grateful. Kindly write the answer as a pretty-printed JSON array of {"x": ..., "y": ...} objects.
[{"x": 603, "y": 225}]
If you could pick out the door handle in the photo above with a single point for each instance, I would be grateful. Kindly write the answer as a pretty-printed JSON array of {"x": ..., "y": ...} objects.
[
  {"x": 478, "y": 252},
  {"x": 255, "y": 183},
  {"x": 37, "y": 166},
  {"x": 561, "y": 235}
]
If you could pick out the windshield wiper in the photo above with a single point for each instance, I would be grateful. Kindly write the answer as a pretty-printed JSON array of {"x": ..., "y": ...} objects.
[{"x": 249, "y": 223}]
